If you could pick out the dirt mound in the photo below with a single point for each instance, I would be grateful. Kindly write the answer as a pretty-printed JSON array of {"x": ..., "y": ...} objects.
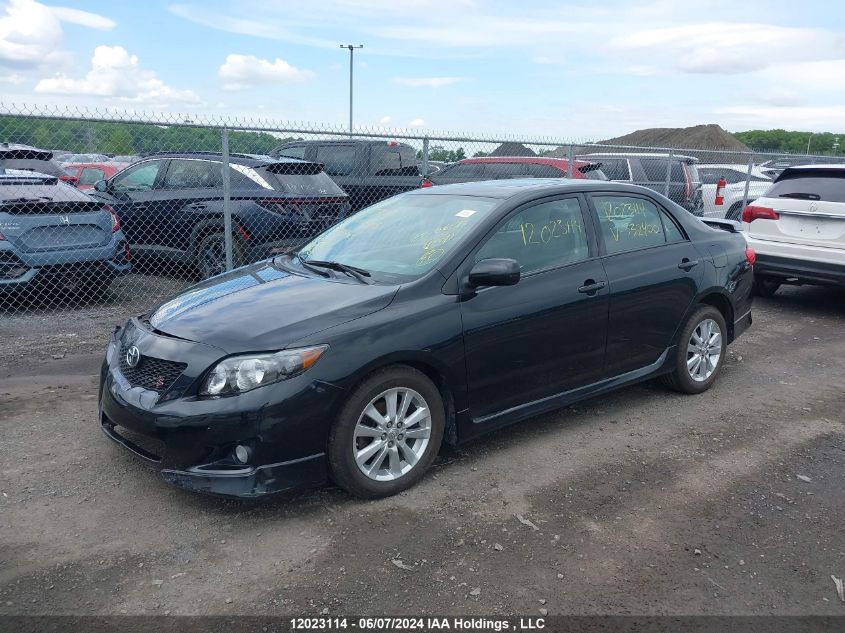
[
  {"x": 512, "y": 149},
  {"x": 709, "y": 136}
]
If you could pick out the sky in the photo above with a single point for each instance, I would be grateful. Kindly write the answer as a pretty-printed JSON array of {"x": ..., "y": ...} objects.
[{"x": 540, "y": 69}]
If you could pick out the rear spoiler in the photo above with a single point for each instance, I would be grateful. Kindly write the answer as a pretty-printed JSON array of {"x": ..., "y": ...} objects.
[
  {"x": 731, "y": 226},
  {"x": 299, "y": 168},
  {"x": 590, "y": 167}
]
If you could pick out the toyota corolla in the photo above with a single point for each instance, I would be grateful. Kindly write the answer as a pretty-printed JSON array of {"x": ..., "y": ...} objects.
[{"x": 433, "y": 316}]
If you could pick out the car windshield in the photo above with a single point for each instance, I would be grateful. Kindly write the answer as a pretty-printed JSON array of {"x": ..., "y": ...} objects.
[{"x": 401, "y": 238}]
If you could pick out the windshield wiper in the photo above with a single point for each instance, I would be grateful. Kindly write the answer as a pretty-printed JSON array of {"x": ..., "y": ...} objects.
[
  {"x": 801, "y": 196},
  {"x": 306, "y": 264},
  {"x": 359, "y": 273}
]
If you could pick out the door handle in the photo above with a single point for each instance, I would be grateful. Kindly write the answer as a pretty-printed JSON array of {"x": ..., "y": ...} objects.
[
  {"x": 591, "y": 286},
  {"x": 688, "y": 264},
  {"x": 197, "y": 205},
  {"x": 139, "y": 207}
]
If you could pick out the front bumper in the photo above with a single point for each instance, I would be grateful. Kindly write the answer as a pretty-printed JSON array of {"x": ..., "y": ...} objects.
[{"x": 191, "y": 440}]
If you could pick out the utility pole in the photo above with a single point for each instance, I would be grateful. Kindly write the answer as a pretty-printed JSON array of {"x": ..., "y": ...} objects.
[
  {"x": 808, "y": 142},
  {"x": 351, "y": 49}
]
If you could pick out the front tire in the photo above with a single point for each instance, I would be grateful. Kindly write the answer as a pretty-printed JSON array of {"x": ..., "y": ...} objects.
[
  {"x": 387, "y": 434},
  {"x": 700, "y": 352}
]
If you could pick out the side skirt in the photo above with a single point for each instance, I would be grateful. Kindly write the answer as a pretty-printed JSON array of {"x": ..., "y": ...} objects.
[{"x": 482, "y": 425}]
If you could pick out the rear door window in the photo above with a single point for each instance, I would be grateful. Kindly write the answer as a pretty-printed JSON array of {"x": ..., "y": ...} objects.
[
  {"x": 297, "y": 151},
  {"x": 304, "y": 184},
  {"x": 615, "y": 168},
  {"x": 825, "y": 186},
  {"x": 465, "y": 171},
  {"x": 545, "y": 171},
  {"x": 193, "y": 174},
  {"x": 629, "y": 223}
]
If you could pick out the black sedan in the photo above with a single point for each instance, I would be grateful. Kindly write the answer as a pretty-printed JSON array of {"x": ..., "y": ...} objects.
[{"x": 436, "y": 315}]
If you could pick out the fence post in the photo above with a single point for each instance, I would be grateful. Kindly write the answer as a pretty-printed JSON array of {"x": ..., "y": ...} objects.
[
  {"x": 227, "y": 200},
  {"x": 668, "y": 173},
  {"x": 425, "y": 156},
  {"x": 747, "y": 182},
  {"x": 570, "y": 163}
]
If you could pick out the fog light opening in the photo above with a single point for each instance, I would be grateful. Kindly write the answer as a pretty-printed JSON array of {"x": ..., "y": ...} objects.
[{"x": 242, "y": 454}]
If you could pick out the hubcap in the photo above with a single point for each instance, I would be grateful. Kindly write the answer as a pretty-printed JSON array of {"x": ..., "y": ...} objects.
[
  {"x": 214, "y": 258},
  {"x": 392, "y": 434},
  {"x": 704, "y": 350}
]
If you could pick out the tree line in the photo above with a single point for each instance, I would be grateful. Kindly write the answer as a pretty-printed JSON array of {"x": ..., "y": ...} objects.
[
  {"x": 791, "y": 141},
  {"x": 128, "y": 138}
]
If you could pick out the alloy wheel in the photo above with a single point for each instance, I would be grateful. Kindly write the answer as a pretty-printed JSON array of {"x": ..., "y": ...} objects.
[
  {"x": 704, "y": 350},
  {"x": 391, "y": 434}
]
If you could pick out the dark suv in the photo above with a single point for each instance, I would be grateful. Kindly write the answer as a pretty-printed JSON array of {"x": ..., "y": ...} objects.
[
  {"x": 171, "y": 206},
  {"x": 649, "y": 170}
]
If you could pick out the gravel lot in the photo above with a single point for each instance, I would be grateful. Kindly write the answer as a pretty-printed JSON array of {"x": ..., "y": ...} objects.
[{"x": 642, "y": 502}]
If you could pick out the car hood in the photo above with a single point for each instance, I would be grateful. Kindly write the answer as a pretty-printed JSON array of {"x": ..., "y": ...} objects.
[{"x": 261, "y": 307}]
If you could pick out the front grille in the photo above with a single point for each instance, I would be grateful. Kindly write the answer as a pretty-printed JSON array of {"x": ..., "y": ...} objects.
[{"x": 151, "y": 373}]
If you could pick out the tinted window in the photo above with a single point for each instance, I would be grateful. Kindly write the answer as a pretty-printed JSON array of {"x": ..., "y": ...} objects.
[
  {"x": 89, "y": 176},
  {"x": 671, "y": 229},
  {"x": 595, "y": 174},
  {"x": 655, "y": 170},
  {"x": 338, "y": 160},
  {"x": 826, "y": 186},
  {"x": 469, "y": 171},
  {"x": 544, "y": 236},
  {"x": 141, "y": 177},
  {"x": 545, "y": 171},
  {"x": 499, "y": 171},
  {"x": 303, "y": 185},
  {"x": 385, "y": 162},
  {"x": 711, "y": 175},
  {"x": 628, "y": 223},
  {"x": 193, "y": 174},
  {"x": 615, "y": 168},
  {"x": 293, "y": 152}
]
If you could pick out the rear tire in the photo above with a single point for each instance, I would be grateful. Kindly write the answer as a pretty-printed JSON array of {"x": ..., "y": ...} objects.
[
  {"x": 211, "y": 255},
  {"x": 369, "y": 454},
  {"x": 700, "y": 352},
  {"x": 765, "y": 286}
]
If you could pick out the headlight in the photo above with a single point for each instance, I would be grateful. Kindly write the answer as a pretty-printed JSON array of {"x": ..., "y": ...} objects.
[{"x": 242, "y": 373}]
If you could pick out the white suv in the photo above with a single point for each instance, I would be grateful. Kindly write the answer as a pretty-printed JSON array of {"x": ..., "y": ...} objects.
[
  {"x": 797, "y": 228},
  {"x": 734, "y": 191}
]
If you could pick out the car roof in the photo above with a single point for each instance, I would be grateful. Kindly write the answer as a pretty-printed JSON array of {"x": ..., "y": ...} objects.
[
  {"x": 111, "y": 163},
  {"x": 239, "y": 159},
  {"x": 344, "y": 141},
  {"x": 638, "y": 155},
  {"x": 832, "y": 166},
  {"x": 518, "y": 186},
  {"x": 526, "y": 160}
]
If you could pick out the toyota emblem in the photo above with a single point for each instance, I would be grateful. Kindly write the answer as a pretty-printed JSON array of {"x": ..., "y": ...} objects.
[{"x": 133, "y": 356}]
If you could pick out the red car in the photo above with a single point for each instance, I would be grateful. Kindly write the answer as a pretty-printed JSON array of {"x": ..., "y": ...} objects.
[
  {"x": 501, "y": 167},
  {"x": 86, "y": 174}
]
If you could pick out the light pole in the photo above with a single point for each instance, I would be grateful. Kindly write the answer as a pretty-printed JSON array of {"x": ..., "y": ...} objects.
[
  {"x": 808, "y": 142},
  {"x": 351, "y": 48}
]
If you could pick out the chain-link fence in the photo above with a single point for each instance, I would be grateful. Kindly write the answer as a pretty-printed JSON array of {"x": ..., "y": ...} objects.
[{"x": 121, "y": 210}]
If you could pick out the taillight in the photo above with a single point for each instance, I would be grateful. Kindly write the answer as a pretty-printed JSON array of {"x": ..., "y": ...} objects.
[
  {"x": 753, "y": 212},
  {"x": 2, "y": 237},
  {"x": 243, "y": 232},
  {"x": 426, "y": 183},
  {"x": 127, "y": 254},
  {"x": 115, "y": 221},
  {"x": 750, "y": 256},
  {"x": 687, "y": 182}
]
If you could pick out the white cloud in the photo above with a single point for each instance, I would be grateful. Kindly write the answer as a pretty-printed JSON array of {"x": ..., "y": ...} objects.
[
  {"x": 417, "y": 123},
  {"x": 13, "y": 78},
  {"x": 811, "y": 118},
  {"x": 427, "y": 82},
  {"x": 31, "y": 33},
  {"x": 243, "y": 71},
  {"x": 83, "y": 18},
  {"x": 116, "y": 74},
  {"x": 729, "y": 48},
  {"x": 385, "y": 120}
]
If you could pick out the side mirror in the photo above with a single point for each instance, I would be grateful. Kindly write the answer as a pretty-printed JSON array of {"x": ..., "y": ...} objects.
[
  {"x": 101, "y": 185},
  {"x": 494, "y": 272}
]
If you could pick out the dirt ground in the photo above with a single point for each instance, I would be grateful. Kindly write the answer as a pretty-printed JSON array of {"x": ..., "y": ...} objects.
[{"x": 641, "y": 502}]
